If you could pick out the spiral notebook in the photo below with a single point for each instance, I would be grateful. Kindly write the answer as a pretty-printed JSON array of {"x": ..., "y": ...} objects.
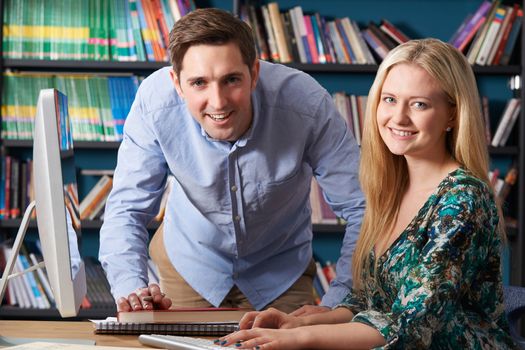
[{"x": 190, "y": 329}]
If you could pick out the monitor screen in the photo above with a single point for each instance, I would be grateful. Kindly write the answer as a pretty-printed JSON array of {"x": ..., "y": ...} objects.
[{"x": 57, "y": 201}]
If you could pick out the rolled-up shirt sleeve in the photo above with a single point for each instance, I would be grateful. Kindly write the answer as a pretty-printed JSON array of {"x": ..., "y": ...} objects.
[{"x": 139, "y": 181}]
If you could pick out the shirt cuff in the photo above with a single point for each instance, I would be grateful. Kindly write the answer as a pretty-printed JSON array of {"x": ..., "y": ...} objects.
[
  {"x": 334, "y": 296},
  {"x": 124, "y": 288},
  {"x": 382, "y": 322}
]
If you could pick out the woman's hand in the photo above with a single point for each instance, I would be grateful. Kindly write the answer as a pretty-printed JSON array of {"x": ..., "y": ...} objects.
[
  {"x": 266, "y": 339},
  {"x": 271, "y": 318}
]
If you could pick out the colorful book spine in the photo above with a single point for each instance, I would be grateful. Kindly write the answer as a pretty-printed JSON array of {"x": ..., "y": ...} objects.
[
  {"x": 463, "y": 37},
  {"x": 490, "y": 38}
]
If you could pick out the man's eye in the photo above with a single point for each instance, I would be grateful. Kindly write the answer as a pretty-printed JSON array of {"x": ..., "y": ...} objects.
[
  {"x": 197, "y": 83},
  {"x": 231, "y": 80}
]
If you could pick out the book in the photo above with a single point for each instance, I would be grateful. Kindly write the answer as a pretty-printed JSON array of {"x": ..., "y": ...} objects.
[
  {"x": 506, "y": 123},
  {"x": 490, "y": 38},
  {"x": 278, "y": 30},
  {"x": 471, "y": 26},
  {"x": 98, "y": 193},
  {"x": 182, "y": 315},
  {"x": 189, "y": 329},
  {"x": 393, "y": 32},
  {"x": 512, "y": 39},
  {"x": 479, "y": 38},
  {"x": 505, "y": 35},
  {"x": 504, "y": 27}
]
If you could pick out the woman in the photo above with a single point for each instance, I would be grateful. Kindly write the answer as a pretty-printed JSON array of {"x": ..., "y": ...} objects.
[{"x": 427, "y": 264}]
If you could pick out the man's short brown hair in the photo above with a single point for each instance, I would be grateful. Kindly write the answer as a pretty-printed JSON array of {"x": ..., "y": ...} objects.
[{"x": 210, "y": 26}]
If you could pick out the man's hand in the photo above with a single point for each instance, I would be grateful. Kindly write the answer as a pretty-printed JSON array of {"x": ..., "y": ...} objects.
[
  {"x": 147, "y": 298},
  {"x": 306, "y": 310}
]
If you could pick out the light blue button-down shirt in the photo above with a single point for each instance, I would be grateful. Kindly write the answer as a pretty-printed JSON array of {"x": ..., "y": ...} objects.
[{"x": 237, "y": 214}]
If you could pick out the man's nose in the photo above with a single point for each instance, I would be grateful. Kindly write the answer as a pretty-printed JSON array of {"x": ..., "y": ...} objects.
[{"x": 217, "y": 97}]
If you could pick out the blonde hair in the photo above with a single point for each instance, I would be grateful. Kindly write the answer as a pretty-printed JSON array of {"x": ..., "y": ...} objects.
[{"x": 381, "y": 171}]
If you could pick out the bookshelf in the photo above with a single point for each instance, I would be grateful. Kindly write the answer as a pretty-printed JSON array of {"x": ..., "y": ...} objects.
[
  {"x": 437, "y": 19},
  {"x": 335, "y": 77}
]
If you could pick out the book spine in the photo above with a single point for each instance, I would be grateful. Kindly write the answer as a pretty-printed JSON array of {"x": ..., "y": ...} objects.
[
  {"x": 480, "y": 35},
  {"x": 345, "y": 40},
  {"x": 480, "y": 13},
  {"x": 490, "y": 38},
  {"x": 278, "y": 30},
  {"x": 299, "y": 19},
  {"x": 396, "y": 32},
  {"x": 505, "y": 36},
  {"x": 310, "y": 36},
  {"x": 499, "y": 37},
  {"x": 504, "y": 121},
  {"x": 513, "y": 38},
  {"x": 274, "y": 52}
]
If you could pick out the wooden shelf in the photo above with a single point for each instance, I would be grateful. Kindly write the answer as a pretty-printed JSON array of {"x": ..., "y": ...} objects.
[
  {"x": 76, "y": 144},
  {"x": 326, "y": 228},
  {"x": 507, "y": 150},
  {"x": 110, "y": 67},
  {"x": 97, "y": 224},
  {"x": 113, "y": 67},
  {"x": 85, "y": 224},
  {"x": 16, "y": 313}
]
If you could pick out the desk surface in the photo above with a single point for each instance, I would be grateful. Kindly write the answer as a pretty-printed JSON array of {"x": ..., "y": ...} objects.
[{"x": 64, "y": 329}]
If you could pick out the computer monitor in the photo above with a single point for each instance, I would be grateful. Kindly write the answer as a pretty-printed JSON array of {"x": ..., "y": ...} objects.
[{"x": 56, "y": 204}]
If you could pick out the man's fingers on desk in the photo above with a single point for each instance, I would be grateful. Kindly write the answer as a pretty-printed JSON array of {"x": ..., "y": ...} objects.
[
  {"x": 142, "y": 301},
  {"x": 156, "y": 294},
  {"x": 123, "y": 305}
]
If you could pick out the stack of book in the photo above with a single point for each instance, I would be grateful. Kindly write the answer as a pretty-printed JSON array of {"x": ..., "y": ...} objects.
[
  {"x": 503, "y": 186},
  {"x": 119, "y": 30},
  {"x": 93, "y": 204},
  {"x": 98, "y": 104},
  {"x": 323, "y": 277},
  {"x": 32, "y": 290},
  {"x": 353, "y": 109},
  {"x": 321, "y": 211},
  {"x": 489, "y": 36},
  {"x": 293, "y": 36},
  {"x": 16, "y": 186},
  {"x": 507, "y": 121}
]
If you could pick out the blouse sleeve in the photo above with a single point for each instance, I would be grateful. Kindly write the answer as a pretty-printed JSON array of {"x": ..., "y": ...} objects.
[
  {"x": 355, "y": 301},
  {"x": 460, "y": 229}
]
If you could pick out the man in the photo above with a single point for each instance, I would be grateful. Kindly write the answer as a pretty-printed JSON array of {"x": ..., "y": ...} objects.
[{"x": 242, "y": 139}]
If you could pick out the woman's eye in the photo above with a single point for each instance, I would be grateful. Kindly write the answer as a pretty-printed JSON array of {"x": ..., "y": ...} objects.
[
  {"x": 389, "y": 99},
  {"x": 420, "y": 105}
]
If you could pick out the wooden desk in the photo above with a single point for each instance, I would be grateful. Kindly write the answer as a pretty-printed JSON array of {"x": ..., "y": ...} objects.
[{"x": 64, "y": 329}]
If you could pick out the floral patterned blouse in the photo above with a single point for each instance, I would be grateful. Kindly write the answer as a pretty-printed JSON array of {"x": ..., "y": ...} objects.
[{"x": 439, "y": 285}]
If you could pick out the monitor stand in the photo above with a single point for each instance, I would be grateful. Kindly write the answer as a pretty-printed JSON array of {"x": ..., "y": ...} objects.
[
  {"x": 15, "y": 250},
  {"x": 6, "y": 276}
]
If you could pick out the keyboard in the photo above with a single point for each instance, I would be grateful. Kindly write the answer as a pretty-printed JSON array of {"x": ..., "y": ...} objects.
[{"x": 173, "y": 342}]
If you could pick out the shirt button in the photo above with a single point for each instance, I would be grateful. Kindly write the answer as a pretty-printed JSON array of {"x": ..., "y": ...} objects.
[
  {"x": 234, "y": 188},
  {"x": 237, "y": 218}
]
